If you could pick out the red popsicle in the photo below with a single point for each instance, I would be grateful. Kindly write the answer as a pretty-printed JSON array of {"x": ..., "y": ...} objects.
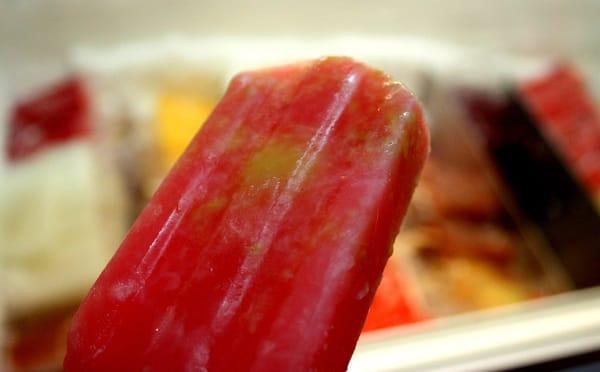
[{"x": 263, "y": 247}]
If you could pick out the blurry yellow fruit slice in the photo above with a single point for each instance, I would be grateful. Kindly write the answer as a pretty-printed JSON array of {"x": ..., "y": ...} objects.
[{"x": 179, "y": 116}]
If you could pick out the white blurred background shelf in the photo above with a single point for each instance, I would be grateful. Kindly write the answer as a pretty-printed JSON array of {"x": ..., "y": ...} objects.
[
  {"x": 34, "y": 32},
  {"x": 510, "y": 337}
]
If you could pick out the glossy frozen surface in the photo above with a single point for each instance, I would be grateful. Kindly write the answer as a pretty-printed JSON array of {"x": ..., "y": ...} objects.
[{"x": 263, "y": 247}]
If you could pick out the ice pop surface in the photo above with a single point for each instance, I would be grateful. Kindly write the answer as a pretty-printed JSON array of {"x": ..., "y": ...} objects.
[{"x": 263, "y": 247}]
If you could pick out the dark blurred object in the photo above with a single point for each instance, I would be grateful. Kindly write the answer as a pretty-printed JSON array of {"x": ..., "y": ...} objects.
[
  {"x": 585, "y": 362},
  {"x": 567, "y": 118},
  {"x": 545, "y": 187},
  {"x": 53, "y": 116}
]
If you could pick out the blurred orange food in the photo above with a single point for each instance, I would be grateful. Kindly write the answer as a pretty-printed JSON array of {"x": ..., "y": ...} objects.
[{"x": 393, "y": 303}]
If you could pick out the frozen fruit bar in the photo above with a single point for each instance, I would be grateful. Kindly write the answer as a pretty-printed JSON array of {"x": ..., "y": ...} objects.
[{"x": 263, "y": 247}]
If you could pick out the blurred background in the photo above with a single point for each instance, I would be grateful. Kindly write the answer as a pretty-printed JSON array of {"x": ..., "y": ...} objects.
[{"x": 497, "y": 265}]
